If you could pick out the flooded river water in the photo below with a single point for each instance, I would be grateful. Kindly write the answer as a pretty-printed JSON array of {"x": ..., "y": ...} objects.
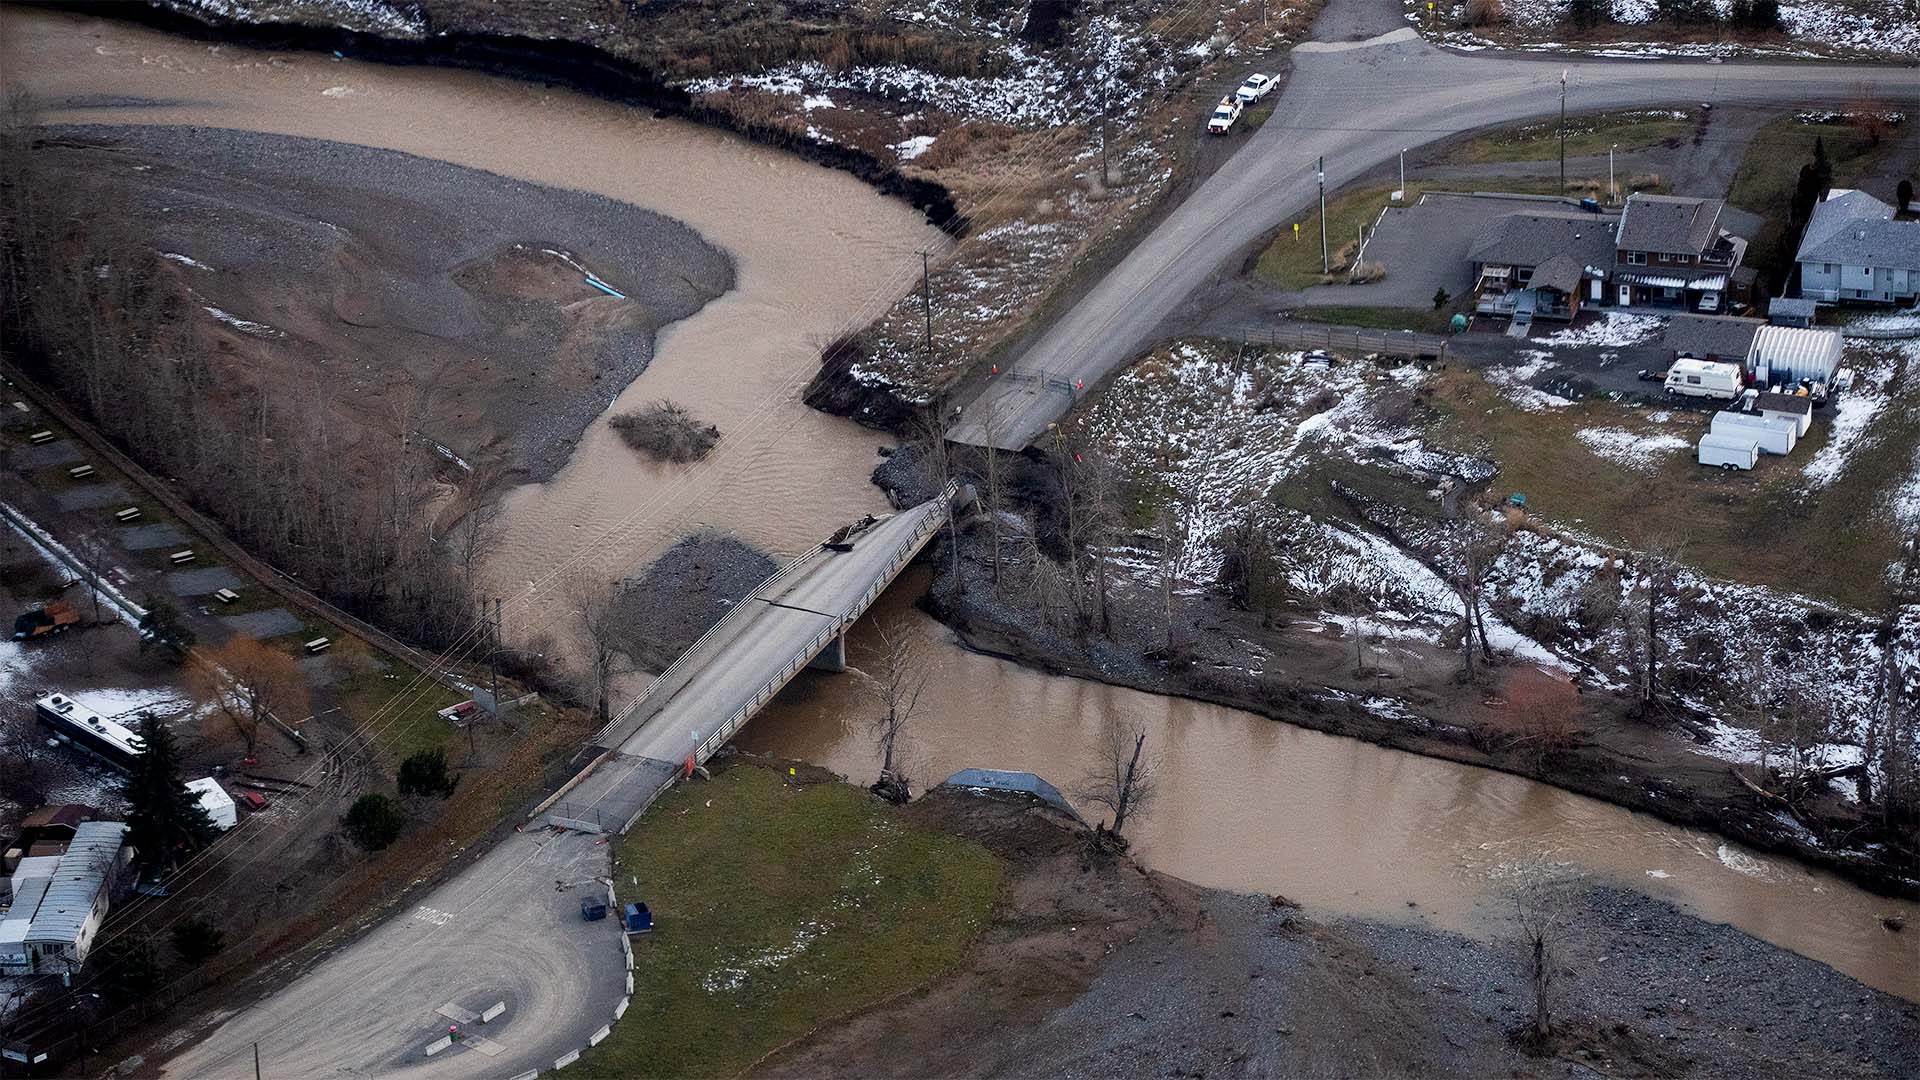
[{"x": 1246, "y": 803}]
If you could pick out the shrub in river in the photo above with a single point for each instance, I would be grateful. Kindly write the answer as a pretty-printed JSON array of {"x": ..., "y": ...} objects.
[{"x": 666, "y": 432}]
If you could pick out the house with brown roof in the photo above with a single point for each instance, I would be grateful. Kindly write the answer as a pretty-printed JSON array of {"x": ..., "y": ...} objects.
[
  {"x": 1671, "y": 252},
  {"x": 1536, "y": 264}
]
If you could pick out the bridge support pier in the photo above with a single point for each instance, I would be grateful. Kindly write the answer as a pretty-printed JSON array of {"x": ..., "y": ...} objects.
[{"x": 832, "y": 658}]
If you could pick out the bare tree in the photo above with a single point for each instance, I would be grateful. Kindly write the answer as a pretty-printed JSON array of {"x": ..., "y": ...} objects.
[
  {"x": 1098, "y": 486},
  {"x": 91, "y": 549},
  {"x": 1542, "y": 902},
  {"x": 591, "y": 603},
  {"x": 1659, "y": 567},
  {"x": 473, "y": 538},
  {"x": 1173, "y": 523},
  {"x": 246, "y": 681},
  {"x": 996, "y": 492},
  {"x": 895, "y": 685},
  {"x": 1125, "y": 781},
  {"x": 934, "y": 457},
  {"x": 1477, "y": 542}
]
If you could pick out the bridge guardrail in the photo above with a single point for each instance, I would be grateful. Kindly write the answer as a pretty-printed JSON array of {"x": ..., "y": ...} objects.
[{"x": 801, "y": 658}]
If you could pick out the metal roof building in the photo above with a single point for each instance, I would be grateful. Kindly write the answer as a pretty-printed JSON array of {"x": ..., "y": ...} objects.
[
  {"x": 56, "y": 914},
  {"x": 1790, "y": 353}
]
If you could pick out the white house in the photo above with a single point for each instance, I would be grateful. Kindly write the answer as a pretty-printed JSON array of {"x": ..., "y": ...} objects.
[
  {"x": 1854, "y": 250},
  {"x": 1787, "y": 354}
]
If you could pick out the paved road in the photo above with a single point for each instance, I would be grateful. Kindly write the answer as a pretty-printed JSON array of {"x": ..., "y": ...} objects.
[
  {"x": 500, "y": 931},
  {"x": 1357, "y": 105}
]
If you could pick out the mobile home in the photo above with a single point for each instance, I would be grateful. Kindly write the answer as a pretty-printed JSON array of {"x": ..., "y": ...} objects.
[{"x": 1704, "y": 378}]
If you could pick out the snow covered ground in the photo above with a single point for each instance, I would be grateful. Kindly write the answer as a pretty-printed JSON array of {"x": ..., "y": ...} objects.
[
  {"x": 1613, "y": 330},
  {"x": 1642, "y": 453},
  {"x": 1809, "y": 28}
]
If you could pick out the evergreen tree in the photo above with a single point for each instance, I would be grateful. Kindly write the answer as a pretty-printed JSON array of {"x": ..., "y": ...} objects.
[
  {"x": 196, "y": 941},
  {"x": 166, "y": 822},
  {"x": 1822, "y": 165},
  {"x": 425, "y": 773},
  {"x": 374, "y": 821},
  {"x": 1586, "y": 14},
  {"x": 162, "y": 629}
]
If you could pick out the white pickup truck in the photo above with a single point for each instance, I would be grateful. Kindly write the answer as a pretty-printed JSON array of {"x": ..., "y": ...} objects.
[{"x": 1224, "y": 114}]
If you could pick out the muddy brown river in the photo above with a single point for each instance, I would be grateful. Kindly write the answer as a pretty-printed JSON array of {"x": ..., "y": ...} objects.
[{"x": 1246, "y": 803}]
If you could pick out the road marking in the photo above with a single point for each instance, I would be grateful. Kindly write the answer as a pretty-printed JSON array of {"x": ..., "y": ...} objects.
[{"x": 432, "y": 915}]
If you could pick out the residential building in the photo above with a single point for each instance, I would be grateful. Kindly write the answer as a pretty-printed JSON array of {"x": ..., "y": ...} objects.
[
  {"x": 1670, "y": 251},
  {"x": 59, "y": 901},
  {"x": 45, "y": 831},
  {"x": 1853, "y": 249},
  {"x": 1533, "y": 264}
]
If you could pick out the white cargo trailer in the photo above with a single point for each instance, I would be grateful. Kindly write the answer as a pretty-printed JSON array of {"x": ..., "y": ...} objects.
[
  {"x": 1729, "y": 451},
  {"x": 1775, "y": 435},
  {"x": 215, "y": 801}
]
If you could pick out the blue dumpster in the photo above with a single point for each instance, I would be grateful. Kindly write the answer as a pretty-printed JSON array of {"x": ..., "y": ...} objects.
[
  {"x": 592, "y": 908},
  {"x": 639, "y": 920}
]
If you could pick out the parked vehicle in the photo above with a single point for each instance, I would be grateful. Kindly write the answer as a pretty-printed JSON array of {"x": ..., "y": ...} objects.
[
  {"x": 1704, "y": 379},
  {"x": 1256, "y": 87},
  {"x": 1224, "y": 114},
  {"x": 1709, "y": 302},
  {"x": 254, "y": 800},
  {"x": 1729, "y": 451},
  {"x": 1775, "y": 436},
  {"x": 45, "y": 621}
]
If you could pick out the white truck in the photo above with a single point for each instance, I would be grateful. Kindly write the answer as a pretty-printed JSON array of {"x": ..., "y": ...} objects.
[
  {"x": 1729, "y": 451},
  {"x": 1704, "y": 379},
  {"x": 1224, "y": 114}
]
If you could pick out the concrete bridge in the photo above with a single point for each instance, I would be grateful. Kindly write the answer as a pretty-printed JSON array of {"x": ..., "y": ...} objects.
[{"x": 795, "y": 619}]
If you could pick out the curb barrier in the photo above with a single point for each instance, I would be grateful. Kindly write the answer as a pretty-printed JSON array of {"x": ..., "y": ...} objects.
[
  {"x": 498, "y": 1008},
  {"x": 530, "y": 1074},
  {"x": 594, "y": 1039},
  {"x": 566, "y": 1059},
  {"x": 620, "y": 1010},
  {"x": 439, "y": 1044},
  {"x": 629, "y": 984}
]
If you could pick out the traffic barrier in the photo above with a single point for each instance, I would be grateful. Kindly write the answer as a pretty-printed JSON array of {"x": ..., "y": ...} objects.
[
  {"x": 439, "y": 1044},
  {"x": 530, "y": 1074},
  {"x": 566, "y": 1059},
  {"x": 620, "y": 1010},
  {"x": 595, "y": 1038},
  {"x": 498, "y": 1008},
  {"x": 629, "y": 983}
]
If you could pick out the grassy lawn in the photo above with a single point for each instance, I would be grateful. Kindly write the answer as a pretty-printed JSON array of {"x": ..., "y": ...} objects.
[
  {"x": 1587, "y": 135},
  {"x": 1761, "y": 526},
  {"x": 1771, "y": 169},
  {"x": 781, "y": 906},
  {"x": 375, "y": 685},
  {"x": 1380, "y": 318}
]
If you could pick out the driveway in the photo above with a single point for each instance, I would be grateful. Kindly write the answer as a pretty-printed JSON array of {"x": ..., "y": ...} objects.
[{"x": 1356, "y": 107}]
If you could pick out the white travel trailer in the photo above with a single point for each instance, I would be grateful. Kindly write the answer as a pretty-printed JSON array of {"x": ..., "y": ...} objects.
[
  {"x": 1704, "y": 378},
  {"x": 1775, "y": 435},
  {"x": 1729, "y": 451}
]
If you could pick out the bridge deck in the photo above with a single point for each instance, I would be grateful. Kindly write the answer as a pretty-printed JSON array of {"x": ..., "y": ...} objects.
[{"x": 735, "y": 671}]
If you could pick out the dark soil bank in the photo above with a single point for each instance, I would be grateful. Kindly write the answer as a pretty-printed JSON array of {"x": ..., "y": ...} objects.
[
  {"x": 683, "y": 593},
  {"x": 518, "y": 41},
  {"x": 1093, "y": 967}
]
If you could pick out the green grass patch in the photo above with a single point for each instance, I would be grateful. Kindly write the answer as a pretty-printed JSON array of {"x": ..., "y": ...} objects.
[
  {"x": 376, "y": 687},
  {"x": 1380, "y": 318},
  {"x": 1587, "y": 135},
  {"x": 1762, "y": 526},
  {"x": 781, "y": 906}
]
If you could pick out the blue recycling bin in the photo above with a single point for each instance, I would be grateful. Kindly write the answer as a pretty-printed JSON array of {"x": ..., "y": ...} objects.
[{"x": 638, "y": 918}]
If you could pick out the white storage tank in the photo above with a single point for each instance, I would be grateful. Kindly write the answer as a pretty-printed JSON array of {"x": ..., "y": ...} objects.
[
  {"x": 215, "y": 801},
  {"x": 1774, "y": 434}
]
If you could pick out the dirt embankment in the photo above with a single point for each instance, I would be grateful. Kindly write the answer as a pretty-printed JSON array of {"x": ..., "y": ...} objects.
[
  {"x": 1094, "y": 967},
  {"x": 1308, "y": 679},
  {"x": 529, "y": 41}
]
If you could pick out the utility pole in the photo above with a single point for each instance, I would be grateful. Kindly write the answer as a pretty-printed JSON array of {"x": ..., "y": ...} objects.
[
  {"x": 1563, "y": 131},
  {"x": 1106, "y": 76},
  {"x": 1403, "y": 174},
  {"x": 926, "y": 296},
  {"x": 1326, "y": 265},
  {"x": 1613, "y": 190},
  {"x": 256, "y": 1061}
]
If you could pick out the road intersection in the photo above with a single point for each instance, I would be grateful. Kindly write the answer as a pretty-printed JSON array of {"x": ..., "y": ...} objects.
[{"x": 1355, "y": 105}]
